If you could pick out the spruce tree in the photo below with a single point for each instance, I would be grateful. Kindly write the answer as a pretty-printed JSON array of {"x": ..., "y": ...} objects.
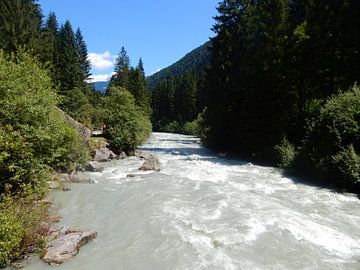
[
  {"x": 20, "y": 25},
  {"x": 68, "y": 67},
  {"x": 50, "y": 45},
  {"x": 122, "y": 70},
  {"x": 85, "y": 65}
]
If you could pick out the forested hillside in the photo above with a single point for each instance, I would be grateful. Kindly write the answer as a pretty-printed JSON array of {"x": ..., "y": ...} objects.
[
  {"x": 276, "y": 88},
  {"x": 193, "y": 61}
]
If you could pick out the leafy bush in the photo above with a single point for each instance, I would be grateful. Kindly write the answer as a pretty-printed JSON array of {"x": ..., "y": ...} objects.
[
  {"x": 33, "y": 134},
  {"x": 127, "y": 125},
  {"x": 285, "y": 153},
  {"x": 332, "y": 145},
  {"x": 20, "y": 219}
]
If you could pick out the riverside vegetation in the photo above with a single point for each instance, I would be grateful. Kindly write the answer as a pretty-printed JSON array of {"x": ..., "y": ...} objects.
[
  {"x": 44, "y": 67},
  {"x": 279, "y": 88},
  {"x": 277, "y": 84}
]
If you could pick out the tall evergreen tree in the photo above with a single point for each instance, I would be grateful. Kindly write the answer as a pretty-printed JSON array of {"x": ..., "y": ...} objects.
[
  {"x": 50, "y": 45},
  {"x": 68, "y": 66},
  {"x": 138, "y": 87},
  {"x": 122, "y": 70},
  {"x": 20, "y": 25},
  {"x": 85, "y": 65}
]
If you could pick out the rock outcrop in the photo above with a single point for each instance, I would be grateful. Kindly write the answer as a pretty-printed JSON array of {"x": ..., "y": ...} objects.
[
  {"x": 66, "y": 246},
  {"x": 94, "y": 166},
  {"x": 83, "y": 131},
  {"x": 151, "y": 164},
  {"x": 104, "y": 154}
]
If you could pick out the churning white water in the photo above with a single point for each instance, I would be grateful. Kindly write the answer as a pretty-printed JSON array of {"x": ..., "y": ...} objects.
[{"x": 205, "y": 212}]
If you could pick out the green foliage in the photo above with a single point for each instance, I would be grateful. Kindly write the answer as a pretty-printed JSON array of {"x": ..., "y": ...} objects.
[
  {"x": 127, "y": 125},
  {"x": 20, "y": 218},
  {"x": 194, "y": 61},
  {"x": 333, "y": 140},
  {"x": 20, "y": 25},
  {"x": 77, "y": 105},
  {"x": 285, "y": 153},
  {"x": 33, "y": 134},
  {"x": 122, "y": 70}
]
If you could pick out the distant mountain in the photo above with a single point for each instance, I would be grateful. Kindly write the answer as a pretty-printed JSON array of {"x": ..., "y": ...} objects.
[
  {"x": 100, "y": 86},
  {"x": 193, "y": 61}
]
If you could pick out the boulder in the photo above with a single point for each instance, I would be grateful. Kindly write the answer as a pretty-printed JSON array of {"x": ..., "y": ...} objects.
[
  {"x": 72, "y": 230},
  {"x": 151, "y": 164},
  {"x": 82, "y": 181},
  {"x": 94, "y": 166},
  {"x": 18, "y": 265},
  {"x": 53, "y": 185},
  {"x": 65, "y": 247},
  {"x": 102, "y": 154},
  {"x": 122, "y": 155}
]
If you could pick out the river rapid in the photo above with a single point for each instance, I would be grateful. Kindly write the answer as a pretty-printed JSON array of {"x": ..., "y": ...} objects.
[{"x": 205, "y": 212}]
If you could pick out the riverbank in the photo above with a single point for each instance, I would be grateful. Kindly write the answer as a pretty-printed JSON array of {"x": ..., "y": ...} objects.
[{"x": 205, "y": 211}]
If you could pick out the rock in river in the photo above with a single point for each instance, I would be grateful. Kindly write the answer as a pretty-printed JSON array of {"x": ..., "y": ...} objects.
[
  {"x": 151, "y": 164},
  {"x": 65, "y": 247},
  {"x": 94, "y": 166}
]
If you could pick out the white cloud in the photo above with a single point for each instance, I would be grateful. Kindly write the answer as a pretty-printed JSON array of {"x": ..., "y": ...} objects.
[
  {"x": 101, "y": 61},
  {"x": 100, "y": 78}
]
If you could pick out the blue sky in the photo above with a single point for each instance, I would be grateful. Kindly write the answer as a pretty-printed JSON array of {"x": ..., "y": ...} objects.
[{"x": 159, "y": 31}]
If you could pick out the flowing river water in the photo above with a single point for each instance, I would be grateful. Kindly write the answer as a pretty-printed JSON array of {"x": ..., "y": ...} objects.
[{"x": 205, "y": 212}]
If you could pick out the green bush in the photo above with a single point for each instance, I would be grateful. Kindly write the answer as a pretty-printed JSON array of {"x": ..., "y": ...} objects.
[
  {"x": 33, "y": 134},
  {"x": 285, "y": 153},
  {"x": 127, "y": 125},
  {"x": 332, "y": 145},
  {"x": 20, "y": 219}
]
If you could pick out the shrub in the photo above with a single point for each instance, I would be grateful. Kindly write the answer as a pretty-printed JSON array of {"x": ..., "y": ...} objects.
[
  {"x": 127, "y": 125},
  {"x": 20, "y": 219},
  {"x": 285, "y": 153},
  {"x": 332, "y": 145},
  {"x": 33, "y": 134}
]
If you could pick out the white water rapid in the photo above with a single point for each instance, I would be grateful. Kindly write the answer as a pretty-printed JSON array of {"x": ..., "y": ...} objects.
[{"x": 205, "y": 212}]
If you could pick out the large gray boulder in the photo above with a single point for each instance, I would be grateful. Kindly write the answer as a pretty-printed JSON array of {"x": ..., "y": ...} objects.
[
  {"x": 102, "y": 154},
  {"x": 94, "y": 166},
  {"x": 67, "y": 246},
  {"x": 151, "y": 164}
]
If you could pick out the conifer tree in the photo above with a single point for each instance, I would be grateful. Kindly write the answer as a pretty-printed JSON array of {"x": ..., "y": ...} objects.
[
  {"x": 85, "y": 65},
  {"x": 20, "y": 25},
  {"x": 122, "y": 70},
  {"x": 68, "y": 66},
  {"x": 50, "y": 47}
]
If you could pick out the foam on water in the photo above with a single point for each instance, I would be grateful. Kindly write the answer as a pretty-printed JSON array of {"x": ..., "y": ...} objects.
[{"x": 206, "y": 212}]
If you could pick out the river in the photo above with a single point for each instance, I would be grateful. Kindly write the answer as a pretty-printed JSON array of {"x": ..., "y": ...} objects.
[{"x": 205, "y": 212}]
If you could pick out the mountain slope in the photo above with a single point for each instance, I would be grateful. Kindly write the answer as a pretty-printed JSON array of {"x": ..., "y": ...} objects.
[{"x": 193, "y": 61}]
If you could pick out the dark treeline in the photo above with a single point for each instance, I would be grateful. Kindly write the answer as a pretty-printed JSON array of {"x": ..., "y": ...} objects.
[
  {"x": 280, "y": 87},
  {"x": 176, "y": 103}
]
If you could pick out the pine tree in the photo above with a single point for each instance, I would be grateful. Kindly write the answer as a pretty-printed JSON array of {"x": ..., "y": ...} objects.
[
  {"x": 122, "y": 70},
  {"x": 50, "y": 45},
  {"x": 85, "y": 65},
  {"x": 138, "y": 87},
  {"x": 68, "y": 66},
  {"x": 20, "y": 25}
]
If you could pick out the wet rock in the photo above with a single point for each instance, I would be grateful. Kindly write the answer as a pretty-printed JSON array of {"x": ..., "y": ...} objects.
[
  {"x": 122, "y": 155},
  {"x": 72, "y": 230},
  {"x": 151, "y": 164},
  {"x": 113, "y": 155},
  {"x": 82, "y": 181},
  {"x": 130, "y": 175},
  {"x": 18, "y": 265},
  {"x": 66, "y": 189},
  {"x": 53, "y": 185},
  {"x": 94, "y": 166},
  {"x": 102, "y": 154},
  {"x": 65, "y": 247}
]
